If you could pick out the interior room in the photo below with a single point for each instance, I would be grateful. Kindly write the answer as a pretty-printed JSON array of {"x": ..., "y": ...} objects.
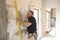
[{"x": 45, "y": 12}]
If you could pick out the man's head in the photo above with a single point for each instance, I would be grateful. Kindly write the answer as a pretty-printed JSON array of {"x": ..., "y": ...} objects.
[{"x": 29, "y": 14}]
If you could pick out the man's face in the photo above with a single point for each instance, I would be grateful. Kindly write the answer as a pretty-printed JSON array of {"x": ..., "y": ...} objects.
[{"x": 29, "y": 14}]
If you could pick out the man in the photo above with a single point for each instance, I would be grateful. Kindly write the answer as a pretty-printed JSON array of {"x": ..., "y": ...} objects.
[{"x": 30, "y": 24}]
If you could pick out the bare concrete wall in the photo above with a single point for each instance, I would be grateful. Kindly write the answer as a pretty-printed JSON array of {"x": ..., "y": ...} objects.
[
  {"x": 3, "y": 21},
  {"x": 24, "y": 4}
]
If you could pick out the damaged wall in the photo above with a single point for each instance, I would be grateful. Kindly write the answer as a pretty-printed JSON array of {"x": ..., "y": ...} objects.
[
  {"x": 23, "y": 5},
  {"x": 12, "y": 27},
  {"x": 3, "y": 21}
]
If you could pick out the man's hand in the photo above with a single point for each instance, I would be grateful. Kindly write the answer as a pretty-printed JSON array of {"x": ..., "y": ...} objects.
[
  {"x": 18, "y": 19},
  {"x": 24, "y": 23}
]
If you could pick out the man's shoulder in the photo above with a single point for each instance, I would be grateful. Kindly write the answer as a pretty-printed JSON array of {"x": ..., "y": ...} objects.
[{"x": 32, "y": 18}]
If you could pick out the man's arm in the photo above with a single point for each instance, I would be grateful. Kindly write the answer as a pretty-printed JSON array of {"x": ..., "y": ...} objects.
[{"x": 26, "y": 23}]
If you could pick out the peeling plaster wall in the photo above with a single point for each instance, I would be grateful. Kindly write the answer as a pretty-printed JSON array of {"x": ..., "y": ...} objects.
[{"x": 24, "y": 5}]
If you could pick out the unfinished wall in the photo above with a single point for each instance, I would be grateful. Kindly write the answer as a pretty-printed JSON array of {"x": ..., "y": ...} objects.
[
  {"x": 3, "y": 21},
  {"x": 24, "y": 4}
]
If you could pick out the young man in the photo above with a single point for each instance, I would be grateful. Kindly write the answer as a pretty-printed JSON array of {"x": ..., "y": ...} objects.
[{"x": 30, "y": 24}]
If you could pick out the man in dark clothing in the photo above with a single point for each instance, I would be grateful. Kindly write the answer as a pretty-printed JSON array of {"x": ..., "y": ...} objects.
[
  {"x": 30, "y": 24},
  {"x": 32, "y": 27}
]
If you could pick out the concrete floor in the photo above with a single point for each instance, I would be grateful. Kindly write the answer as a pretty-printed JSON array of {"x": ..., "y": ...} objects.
[{"x": 48, "y": 38}]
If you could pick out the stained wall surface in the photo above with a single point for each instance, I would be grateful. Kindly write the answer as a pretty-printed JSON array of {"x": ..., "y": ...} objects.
[{"x": 3, "y": 21}]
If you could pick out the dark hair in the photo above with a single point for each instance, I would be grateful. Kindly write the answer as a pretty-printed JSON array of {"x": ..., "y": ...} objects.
[{"x": 31, "y": 12}]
